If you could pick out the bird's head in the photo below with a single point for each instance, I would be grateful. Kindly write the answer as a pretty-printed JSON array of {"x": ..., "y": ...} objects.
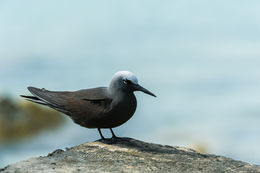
[{"x": 127, "y": 81}]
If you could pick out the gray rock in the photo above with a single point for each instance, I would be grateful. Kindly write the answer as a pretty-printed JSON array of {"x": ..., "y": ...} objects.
[{"x": 129, "y": 155}]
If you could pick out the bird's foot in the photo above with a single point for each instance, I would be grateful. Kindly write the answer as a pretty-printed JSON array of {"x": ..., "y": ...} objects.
[
  {"x": 114, "y": 137},
  {"x": 113, "y": 134},
  {"x": 104, "y": 139}
]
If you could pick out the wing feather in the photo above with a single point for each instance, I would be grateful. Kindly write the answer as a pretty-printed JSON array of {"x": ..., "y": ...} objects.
[{"x": 90, "y": 101}]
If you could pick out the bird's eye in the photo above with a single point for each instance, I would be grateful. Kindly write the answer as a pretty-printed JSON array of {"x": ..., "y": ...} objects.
[{"x": 127, "y": 81}]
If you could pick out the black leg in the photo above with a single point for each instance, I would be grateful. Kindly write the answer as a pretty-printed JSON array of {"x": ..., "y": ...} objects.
[
  {"x": 100, "y": 133},
  {"x": 113, "y": 135}
]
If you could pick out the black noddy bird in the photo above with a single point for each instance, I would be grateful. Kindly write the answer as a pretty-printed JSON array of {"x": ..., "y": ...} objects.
[{"x": 102, "y": 107}]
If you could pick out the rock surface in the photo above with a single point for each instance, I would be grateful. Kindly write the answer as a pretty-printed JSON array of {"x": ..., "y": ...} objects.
[{"x": 129, "y": 155}]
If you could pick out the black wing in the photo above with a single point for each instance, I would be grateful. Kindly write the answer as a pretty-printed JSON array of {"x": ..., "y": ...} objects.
[{"x": 60, "y": 100}]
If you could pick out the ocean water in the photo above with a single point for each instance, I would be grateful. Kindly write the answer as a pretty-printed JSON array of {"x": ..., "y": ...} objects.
[{"x": 200, "y": 58}]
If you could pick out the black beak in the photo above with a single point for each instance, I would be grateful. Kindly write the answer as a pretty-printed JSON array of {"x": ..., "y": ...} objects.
[{"x": 138, "y": 87}]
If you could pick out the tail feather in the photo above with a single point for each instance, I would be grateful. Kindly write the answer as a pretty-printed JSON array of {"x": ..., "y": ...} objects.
[
  {"x": 43, "y": 97},
  {"x": 34, "y": 99},
  {"x": 49, "y": 97}
]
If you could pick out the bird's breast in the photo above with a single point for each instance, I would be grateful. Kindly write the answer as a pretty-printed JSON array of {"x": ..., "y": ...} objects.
[{"x": 122, "y": 110}]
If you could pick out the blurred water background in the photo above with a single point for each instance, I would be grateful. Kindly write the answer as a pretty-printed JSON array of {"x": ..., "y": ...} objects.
[{"x": 201, "y": 58}]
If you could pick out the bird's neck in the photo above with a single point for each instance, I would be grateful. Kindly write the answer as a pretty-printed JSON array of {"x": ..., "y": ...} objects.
[{"x": 119, "y": 93}]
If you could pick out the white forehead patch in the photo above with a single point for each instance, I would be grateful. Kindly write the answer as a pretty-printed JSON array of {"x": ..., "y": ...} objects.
[{"x": 127, "y": 75}]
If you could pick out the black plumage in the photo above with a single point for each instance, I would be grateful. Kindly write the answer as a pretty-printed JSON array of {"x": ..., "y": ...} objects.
[{"x": 102, "y": 107}]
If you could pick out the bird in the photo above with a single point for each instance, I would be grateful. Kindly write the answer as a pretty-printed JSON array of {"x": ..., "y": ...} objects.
[{"x": 100, "y": 108}]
